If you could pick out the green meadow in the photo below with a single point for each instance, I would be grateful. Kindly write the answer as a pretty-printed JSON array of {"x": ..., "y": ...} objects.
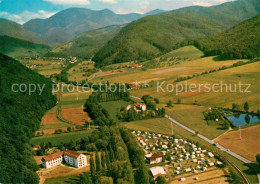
[{"x": 56, "y": 139}]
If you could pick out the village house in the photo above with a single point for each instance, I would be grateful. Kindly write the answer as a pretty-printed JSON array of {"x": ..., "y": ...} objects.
[
  {"x": 154, "y": 158},
  {"x": 136, "y": 66},
  {"x": 158, "y": 171},
  {"x": 134, "y": 86},
  {"x": 71, "y": 158},
  {"x": 36, "y": 147},
  {"x": 137, "y": 107}
]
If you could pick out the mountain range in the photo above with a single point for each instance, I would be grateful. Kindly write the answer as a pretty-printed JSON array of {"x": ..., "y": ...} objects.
[
  {"x": 13, "y": 29},
  {"x": 69, "y": 23},
  {"x": 86, "y": 44},
  {"x": 150, "y": 36}
]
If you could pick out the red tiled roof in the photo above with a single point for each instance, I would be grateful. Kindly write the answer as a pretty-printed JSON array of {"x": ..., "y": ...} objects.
[
  {"x": 135, "y": 65},
  {"x": 37, "y": 146},
  {"x": 139, "y": 104},
  {"x": 155, "y": 156},
  {"x": 133, "y": 86},
  {"x": 70, "y": 153},
  {"x": 52, "y": 156}
]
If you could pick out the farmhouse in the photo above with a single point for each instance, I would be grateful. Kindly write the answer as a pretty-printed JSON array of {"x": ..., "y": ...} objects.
[
  {"x": 133, "y": 86},
  {"x": 158, "y": 171},
  {"x": 136, "y": 66},
  {"x": 137, "y": 107},
  {"x": 71, "y": 158},
  {"x": 154, "y": 158},
  {"x": 36, "y": 147}
]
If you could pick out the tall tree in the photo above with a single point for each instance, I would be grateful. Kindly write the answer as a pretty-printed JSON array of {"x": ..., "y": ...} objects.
[
  {"x": 98, "y": 164},
  {"x": 258, "y": 158},
  {"x": 246, "y": 106}
]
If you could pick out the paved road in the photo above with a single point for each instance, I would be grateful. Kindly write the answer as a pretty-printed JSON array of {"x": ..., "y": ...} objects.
[{"x": 208, "y": 140}]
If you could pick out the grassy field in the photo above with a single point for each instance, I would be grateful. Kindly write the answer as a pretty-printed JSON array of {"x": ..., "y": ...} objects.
[
  {"x": 43, "y": 67},
  {"x": 167, "y": 73},
  {"x": 247, "y": 74},
  {"x": 113, "y": 107},
  {"x": 56, "y": 139},
  {"x": 164, "y": 126},
  {"x": 248, "y": 146},
  {"x": 77, "y": 72},
  {"x": 192, "y": 117},
  {"x": 73, "y": 179}
]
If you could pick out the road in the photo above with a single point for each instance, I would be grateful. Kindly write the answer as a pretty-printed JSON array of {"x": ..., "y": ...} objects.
[
  {"x": 94, "y": 75},
  {"x": 208, "y": 140}
]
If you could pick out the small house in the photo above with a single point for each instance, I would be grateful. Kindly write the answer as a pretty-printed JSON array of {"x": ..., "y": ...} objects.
[{"x": 158, "y": 171}]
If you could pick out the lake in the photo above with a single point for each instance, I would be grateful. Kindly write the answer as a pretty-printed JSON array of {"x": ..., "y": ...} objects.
[{"x": 239, "y": 120}]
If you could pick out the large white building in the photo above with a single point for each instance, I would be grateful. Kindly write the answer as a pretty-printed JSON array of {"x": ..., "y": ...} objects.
[
  {"x": 52, "y": 160},
  {"x": 71, "y": 158}
]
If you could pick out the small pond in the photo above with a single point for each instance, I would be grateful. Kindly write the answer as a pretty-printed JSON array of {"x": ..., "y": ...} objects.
[{"x": 240, "y": 119}]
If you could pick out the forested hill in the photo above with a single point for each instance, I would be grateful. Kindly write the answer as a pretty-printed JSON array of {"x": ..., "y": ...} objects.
[
  {"x": 241, "y": 41},
  {"x": 18, "y": 48},
  {"x": 149, "y": 36},
  {"x": 15, "y": 30},
  {"x": 20, "y": 116},
  {"x": 152, "y": 35},
  {"x": 86, "y": 44}
]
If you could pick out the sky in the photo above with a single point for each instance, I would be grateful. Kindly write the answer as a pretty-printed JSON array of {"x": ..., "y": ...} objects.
[{"x": 22, "y": 11}]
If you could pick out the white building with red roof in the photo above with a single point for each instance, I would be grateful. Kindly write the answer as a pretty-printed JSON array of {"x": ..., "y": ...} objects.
[
  {"x": 71, "y": 158},
  {"x": 52, "y": 160},
  {"x": 74, "y": 158}
]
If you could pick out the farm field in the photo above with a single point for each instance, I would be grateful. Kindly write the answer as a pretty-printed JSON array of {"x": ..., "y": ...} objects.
[
  {"x": 113, "y": 107},
  {"x": 72, "y": 110},
  {"x": 211, "y": 176},
  {"x": 72, "y": 179},
  {"x": 77, "y": 73},
  {"x": 56, "y": 139},
  {"x": 192, "y": 117},
  {"x": 43, "y": 67},
  {"x": 247, "y": 74},
  {"x": 190, "y": 52},
  {"x": 248, "y": 147},
  {"x": 164, "y": 73}
]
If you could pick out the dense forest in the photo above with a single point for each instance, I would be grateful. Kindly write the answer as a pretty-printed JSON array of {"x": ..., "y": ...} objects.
[
  {"x": 117, "y": 152},
  {"x": 20, "y": 116},
  {"x": 241, "y": 41},
  {"x": 151, "y": 36}
]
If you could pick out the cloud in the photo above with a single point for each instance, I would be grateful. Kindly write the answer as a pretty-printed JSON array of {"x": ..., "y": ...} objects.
[
  {"x": 26, "y": 15},
  {"x": 123, "y": 11},
  {"x": 3, "y": 13},
  {"x": 109, "y": 1},
  {"x": 221, "y": 1},
  {"x": 73, "y": 2},
  {"x": 200, "y": 3},
  {"x": 144, "y": 4}
]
